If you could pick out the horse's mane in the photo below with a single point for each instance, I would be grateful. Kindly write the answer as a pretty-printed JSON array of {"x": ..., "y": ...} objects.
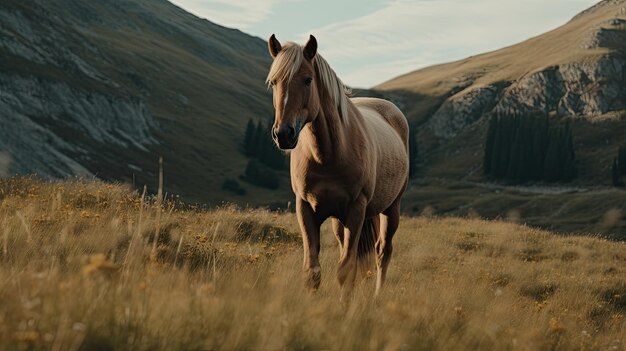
[{"x": 288, "y": 62}]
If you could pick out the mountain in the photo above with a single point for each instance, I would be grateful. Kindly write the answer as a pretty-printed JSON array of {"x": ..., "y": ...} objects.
[
  {"x": 103, "y": 88},
  {"x": 575, "y": 72}
]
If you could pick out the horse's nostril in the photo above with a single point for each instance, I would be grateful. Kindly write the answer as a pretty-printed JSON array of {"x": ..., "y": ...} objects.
[
  {"x": 274, "y": 133},
  {"x": 286, "y": 136}
]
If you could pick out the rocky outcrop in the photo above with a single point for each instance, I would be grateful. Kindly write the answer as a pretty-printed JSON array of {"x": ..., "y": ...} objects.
[
  {"x": 585, "y": 89},
  {"x": 69, "y": 112},
  {"x": 108, "y": 87},
  {"x": 574, "y": 71},
  {"x": 609, "y": 34},
  {"x": 463, "y": 109},
  {"x": 46, "y": 125},
  {"x": 582, "y": 89}
]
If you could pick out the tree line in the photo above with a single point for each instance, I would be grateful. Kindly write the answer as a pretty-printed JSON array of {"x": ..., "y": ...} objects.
[
  {"x": 618, "y": 168},
  {"x": 266, "y": 160},
  {"x": 413, "y": 153},
  {"x": 257, "y": 143},
  {"x": 529, "y": 148}
]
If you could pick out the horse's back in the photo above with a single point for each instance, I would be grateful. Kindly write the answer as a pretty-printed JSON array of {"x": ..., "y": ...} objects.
[
  {"x": 388, "y": 134},
  {"x": 389, "y": 111}
]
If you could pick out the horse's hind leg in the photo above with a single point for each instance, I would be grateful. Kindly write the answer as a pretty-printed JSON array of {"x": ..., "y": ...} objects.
[
  {"x": 353, "y": 223},
  {"x": 389, "y": 221},
  {"x": 338, "y": 231}
]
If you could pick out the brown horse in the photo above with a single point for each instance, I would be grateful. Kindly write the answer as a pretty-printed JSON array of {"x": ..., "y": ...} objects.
[{"x": 349, "y": 160}]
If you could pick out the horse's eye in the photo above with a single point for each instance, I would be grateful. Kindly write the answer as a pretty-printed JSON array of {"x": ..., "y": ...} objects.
[
  {"x": 272, "y": 83},
  {"x": 308, "y": 81}
]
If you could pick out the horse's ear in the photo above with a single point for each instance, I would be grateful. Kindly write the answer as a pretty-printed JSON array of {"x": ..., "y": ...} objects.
[
  {"x": 310, "y": 49},
  {"x": 274, "y": 46}
]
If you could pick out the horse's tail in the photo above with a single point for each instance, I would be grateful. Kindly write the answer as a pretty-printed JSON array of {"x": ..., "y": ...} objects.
[{"x": 367, "y": 241}]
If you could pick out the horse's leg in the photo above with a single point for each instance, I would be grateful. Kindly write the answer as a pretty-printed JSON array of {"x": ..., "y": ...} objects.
[
  {"x": 389, "y": 221},
  {"x": 353, "y": 223},
  {"x": 310, "y": 228},
  {"x": 338, "y": 231}
]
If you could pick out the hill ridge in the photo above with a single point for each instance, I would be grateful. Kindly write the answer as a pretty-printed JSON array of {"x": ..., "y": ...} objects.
[
  {"x": 574, "y": 74},
  {"x": 105, "y": 88}
]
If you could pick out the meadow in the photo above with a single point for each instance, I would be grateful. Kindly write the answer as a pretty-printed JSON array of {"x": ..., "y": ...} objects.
[{"x": 97, "y": 266}]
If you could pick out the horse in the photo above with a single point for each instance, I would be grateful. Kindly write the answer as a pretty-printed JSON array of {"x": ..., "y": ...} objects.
[{"x": 349, "y": 161}]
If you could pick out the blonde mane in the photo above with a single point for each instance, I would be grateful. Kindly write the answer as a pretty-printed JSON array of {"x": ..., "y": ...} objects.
[{"x": 288, "y": 62}]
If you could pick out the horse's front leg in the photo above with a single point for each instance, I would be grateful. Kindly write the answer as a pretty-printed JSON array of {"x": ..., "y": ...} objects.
[
  {"x": 310, "y": 228},
  {"x": 353, "y": 224}
]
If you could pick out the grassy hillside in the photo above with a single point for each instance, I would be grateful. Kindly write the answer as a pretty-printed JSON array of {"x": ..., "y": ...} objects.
[
  {"x": 568, "y": 66},
  {"x": 560, "y": 46},
  {"x": 561, "y": 209},
  {"x": 574, "y": 73},
  {"x": 78, "y": 270}
]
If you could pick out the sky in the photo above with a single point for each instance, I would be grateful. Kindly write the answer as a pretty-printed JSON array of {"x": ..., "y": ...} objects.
[{"x": 370, "y": 42}]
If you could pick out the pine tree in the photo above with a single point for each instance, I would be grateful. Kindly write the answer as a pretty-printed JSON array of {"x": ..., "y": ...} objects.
[
  {"x": 569, "y": 169},
  {"x": 618, "y": 168},
  {"x": 505, "y": 134},
  {"x": 621, "y": 159},
  {"x": 413, "y": 154},
  {"x": 489, "y": 145},
  {"x": 515, "y": 153},
  {"x": 524, "y": 148},
  {"x": 500, "y": 153},
  {"x": 498, "y": 140},
  {"x": 526, "y": 163},
  {"x": 267, "y": 146},
  {"x": 269, "y": 154},
  {"x": 552, "y": 166},
  {"x": 248, "y": 141},
  {"x": 616, "y": 174},
  {"x": 540, "y": 146},
  {"x": 258, "y": 139}
]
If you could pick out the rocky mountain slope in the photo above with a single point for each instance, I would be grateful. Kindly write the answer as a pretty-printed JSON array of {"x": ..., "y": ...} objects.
[
  {"x": 576, "y": 71},
  {"x": 104, "y": 88}
]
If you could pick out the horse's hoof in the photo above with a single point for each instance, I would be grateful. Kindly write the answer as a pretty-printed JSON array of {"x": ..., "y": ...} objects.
[
  {"x": 314, "y": 279},
  {"x": 345, "y": 299}
]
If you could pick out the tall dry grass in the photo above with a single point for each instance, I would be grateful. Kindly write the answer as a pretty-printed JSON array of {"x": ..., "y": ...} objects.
[{"x": 79, "y": 269}]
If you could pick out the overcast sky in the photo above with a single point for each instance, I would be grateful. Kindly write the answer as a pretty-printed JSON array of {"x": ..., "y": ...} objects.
[{"x": 369, "y": 42}]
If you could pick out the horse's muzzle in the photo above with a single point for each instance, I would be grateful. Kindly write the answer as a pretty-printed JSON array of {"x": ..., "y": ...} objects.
[{"x": 286, "y": 137}]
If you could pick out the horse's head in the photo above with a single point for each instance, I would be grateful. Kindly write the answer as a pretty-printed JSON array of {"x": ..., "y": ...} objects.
[{"x": 293, "y": 82}]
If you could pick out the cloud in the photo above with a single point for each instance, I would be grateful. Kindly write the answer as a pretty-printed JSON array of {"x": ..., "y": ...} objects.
[
  {"x": 240, "y": 14},
  {"x": 376, "y": 73},
  {"x": 392, "y": 37},
  {"x": 406, "y": 35}
]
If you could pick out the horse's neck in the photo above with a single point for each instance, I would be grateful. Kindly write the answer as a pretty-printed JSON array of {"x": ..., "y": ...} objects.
[{"x": 327, "y": 142}]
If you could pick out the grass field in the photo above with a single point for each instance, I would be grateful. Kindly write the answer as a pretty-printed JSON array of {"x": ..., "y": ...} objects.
[
  {"x": 79, "y": 270},
  {"x": 564, "y": 208}
]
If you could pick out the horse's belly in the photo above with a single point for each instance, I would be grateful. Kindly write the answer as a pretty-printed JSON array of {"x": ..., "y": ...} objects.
[{"x": 392, "y": 174}]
